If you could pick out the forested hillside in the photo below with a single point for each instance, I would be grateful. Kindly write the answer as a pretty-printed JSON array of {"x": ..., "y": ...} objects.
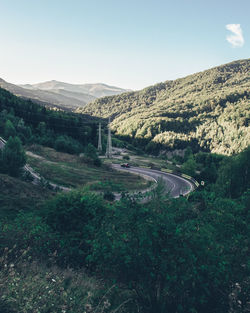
[
  {"x": 33, "y": 123},
  {"x": 207, "y": 110}
]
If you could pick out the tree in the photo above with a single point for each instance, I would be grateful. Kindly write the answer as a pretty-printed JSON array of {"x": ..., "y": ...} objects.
[
  {"x": 189, "y": 166},
  {"x": 91, "y": 155},
  {"x": 188, "y": 153},
  {"x": 67, "y": 144},
  {"x": 90, "y": 151},
  {"x": 13, "y": 157},
  {"x": 9, "y": 129}
]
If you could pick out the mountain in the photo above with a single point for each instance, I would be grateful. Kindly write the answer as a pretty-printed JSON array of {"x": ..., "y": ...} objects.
[
  {"x": 207, "y": 110},
  {"x": 94, "y": 90},
  {"x": 61, "y": 95}
]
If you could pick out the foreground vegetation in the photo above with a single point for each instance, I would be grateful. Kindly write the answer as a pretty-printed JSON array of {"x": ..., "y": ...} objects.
[
  {"x": 166, "y": 255},
  {"x": 207, "y": 110}
]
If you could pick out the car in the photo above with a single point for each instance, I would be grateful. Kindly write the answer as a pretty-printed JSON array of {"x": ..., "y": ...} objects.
[{"x": 125, "y": 165}]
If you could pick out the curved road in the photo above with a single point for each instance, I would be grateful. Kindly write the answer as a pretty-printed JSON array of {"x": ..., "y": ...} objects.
[{"x": 175, "y": 185}]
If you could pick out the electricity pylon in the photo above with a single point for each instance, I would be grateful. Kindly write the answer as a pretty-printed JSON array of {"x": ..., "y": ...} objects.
[
  {"x": 109, "y": 143},
  {"x": 100, "y": 139}
]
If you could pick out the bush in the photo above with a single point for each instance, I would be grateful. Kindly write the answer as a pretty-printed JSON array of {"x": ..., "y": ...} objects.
[
  {"x": 90, "y": 156},
  {"x": 12, "y": 157},
  {"x": 108, "y": 195},
  {"x": 74, "y": 217},
  {"x": 67, "y": 144},
  {"x": 175, "y": 258},
  {"x": 126, "y": 157}
]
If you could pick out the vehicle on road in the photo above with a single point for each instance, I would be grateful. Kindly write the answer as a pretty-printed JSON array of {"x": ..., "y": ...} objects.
[{"x": 125, "y": 165}]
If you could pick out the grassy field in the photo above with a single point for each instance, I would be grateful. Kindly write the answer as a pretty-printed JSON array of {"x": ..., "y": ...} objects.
[
  {"x": 17, "y": 195},
  {"x": 68, "y": 170}
]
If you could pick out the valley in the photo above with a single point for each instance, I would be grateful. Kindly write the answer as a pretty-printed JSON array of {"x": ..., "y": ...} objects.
[{"x": 159, "y": 226}]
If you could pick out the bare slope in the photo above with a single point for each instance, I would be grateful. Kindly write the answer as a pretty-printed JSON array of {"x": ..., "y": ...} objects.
[{"x": 208, "y": 110}]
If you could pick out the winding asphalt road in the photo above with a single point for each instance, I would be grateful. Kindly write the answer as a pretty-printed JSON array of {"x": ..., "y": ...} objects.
[{"x": 175, "y": 185}]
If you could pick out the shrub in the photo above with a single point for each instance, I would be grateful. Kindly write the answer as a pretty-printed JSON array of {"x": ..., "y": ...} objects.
[
  {"x": 126, "y": 157},
  {"x": 67, "y": 144},
  {"x": 108, "y": 195},
  {"x": 12, "y": 157},
  {"x": 74, "y": 217}
]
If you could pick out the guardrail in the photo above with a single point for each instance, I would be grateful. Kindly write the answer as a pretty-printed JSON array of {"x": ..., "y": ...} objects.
[
  {"x": 182, "y": 175},
  {"x": 166, "y": 170}
]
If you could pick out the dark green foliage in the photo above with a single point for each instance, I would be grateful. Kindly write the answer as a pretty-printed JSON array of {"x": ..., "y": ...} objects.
[
  {"x": 29, "y": 231},
  {"x": 188, "y": 153},
  {"x": 126, "y": 157},
  {"x": 9, "y": 129},
  {"x": 207, "y": 110},
  {"x": 67, "y": 144},
  {"x": 12, "y": 157},
  {"x": 176, "y": 259},
  {"x": 91, "y": 155},
  {"x": 109, "y": 195},
  {"x": 90, "y": 151},
  {"x": 5, "y": 307},
  {"x": 75, "y": 218},
  {"x": 36, "y": 124},
  {"x": 189, "y": 167},
  {"x": 208, "y": 165},
  {"x": 234, "y": 175}
]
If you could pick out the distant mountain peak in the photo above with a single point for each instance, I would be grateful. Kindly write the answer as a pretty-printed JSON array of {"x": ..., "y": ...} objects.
[{"x": 63, "y": 95}]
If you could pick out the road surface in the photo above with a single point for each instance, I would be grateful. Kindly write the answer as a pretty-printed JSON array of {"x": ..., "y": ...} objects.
[{"x": 175, "y": 185}]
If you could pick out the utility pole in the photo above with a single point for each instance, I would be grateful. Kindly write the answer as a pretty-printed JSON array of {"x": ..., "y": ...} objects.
[
  {"x": 109, "y": 143},
  {"x": 100, "y": 139}
]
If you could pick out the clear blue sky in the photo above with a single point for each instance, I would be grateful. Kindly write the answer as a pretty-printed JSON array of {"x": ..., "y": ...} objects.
[{"x": 130, "y": 44}]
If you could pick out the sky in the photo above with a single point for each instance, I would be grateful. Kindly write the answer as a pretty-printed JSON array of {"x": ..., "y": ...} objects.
[{"x": 126, "y": 43}]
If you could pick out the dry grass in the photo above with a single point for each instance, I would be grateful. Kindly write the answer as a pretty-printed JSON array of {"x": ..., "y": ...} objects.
[
  {"x": 16, "y": 195},
  {"x": 27, "y": 286}
]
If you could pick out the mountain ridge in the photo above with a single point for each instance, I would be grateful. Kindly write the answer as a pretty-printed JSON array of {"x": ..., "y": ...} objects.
[
  {"x": 65, "y": 96},
  {"x": 208, "y": 110}
]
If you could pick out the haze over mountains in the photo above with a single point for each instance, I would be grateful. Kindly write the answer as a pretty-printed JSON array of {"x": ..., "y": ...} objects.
[
  {"x": 62, "y": 95},
  {"x": 208, "y": 110}
]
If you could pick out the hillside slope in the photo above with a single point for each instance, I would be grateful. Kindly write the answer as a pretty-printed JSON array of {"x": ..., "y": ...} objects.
[
  {"x": 208, "y": 110},
  {"x": 61, "y": 95},
  {"x": 95, "y": 90},
  {"x": 47, "y": 98}
]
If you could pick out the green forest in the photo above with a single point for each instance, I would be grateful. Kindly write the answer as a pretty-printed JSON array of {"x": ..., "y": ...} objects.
[
  {"x": 78, "y": 251},
  {"x": 33, "y": 123},
  {"x": 208, "y": 111},
  {"x": 81, "y": 251}
]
